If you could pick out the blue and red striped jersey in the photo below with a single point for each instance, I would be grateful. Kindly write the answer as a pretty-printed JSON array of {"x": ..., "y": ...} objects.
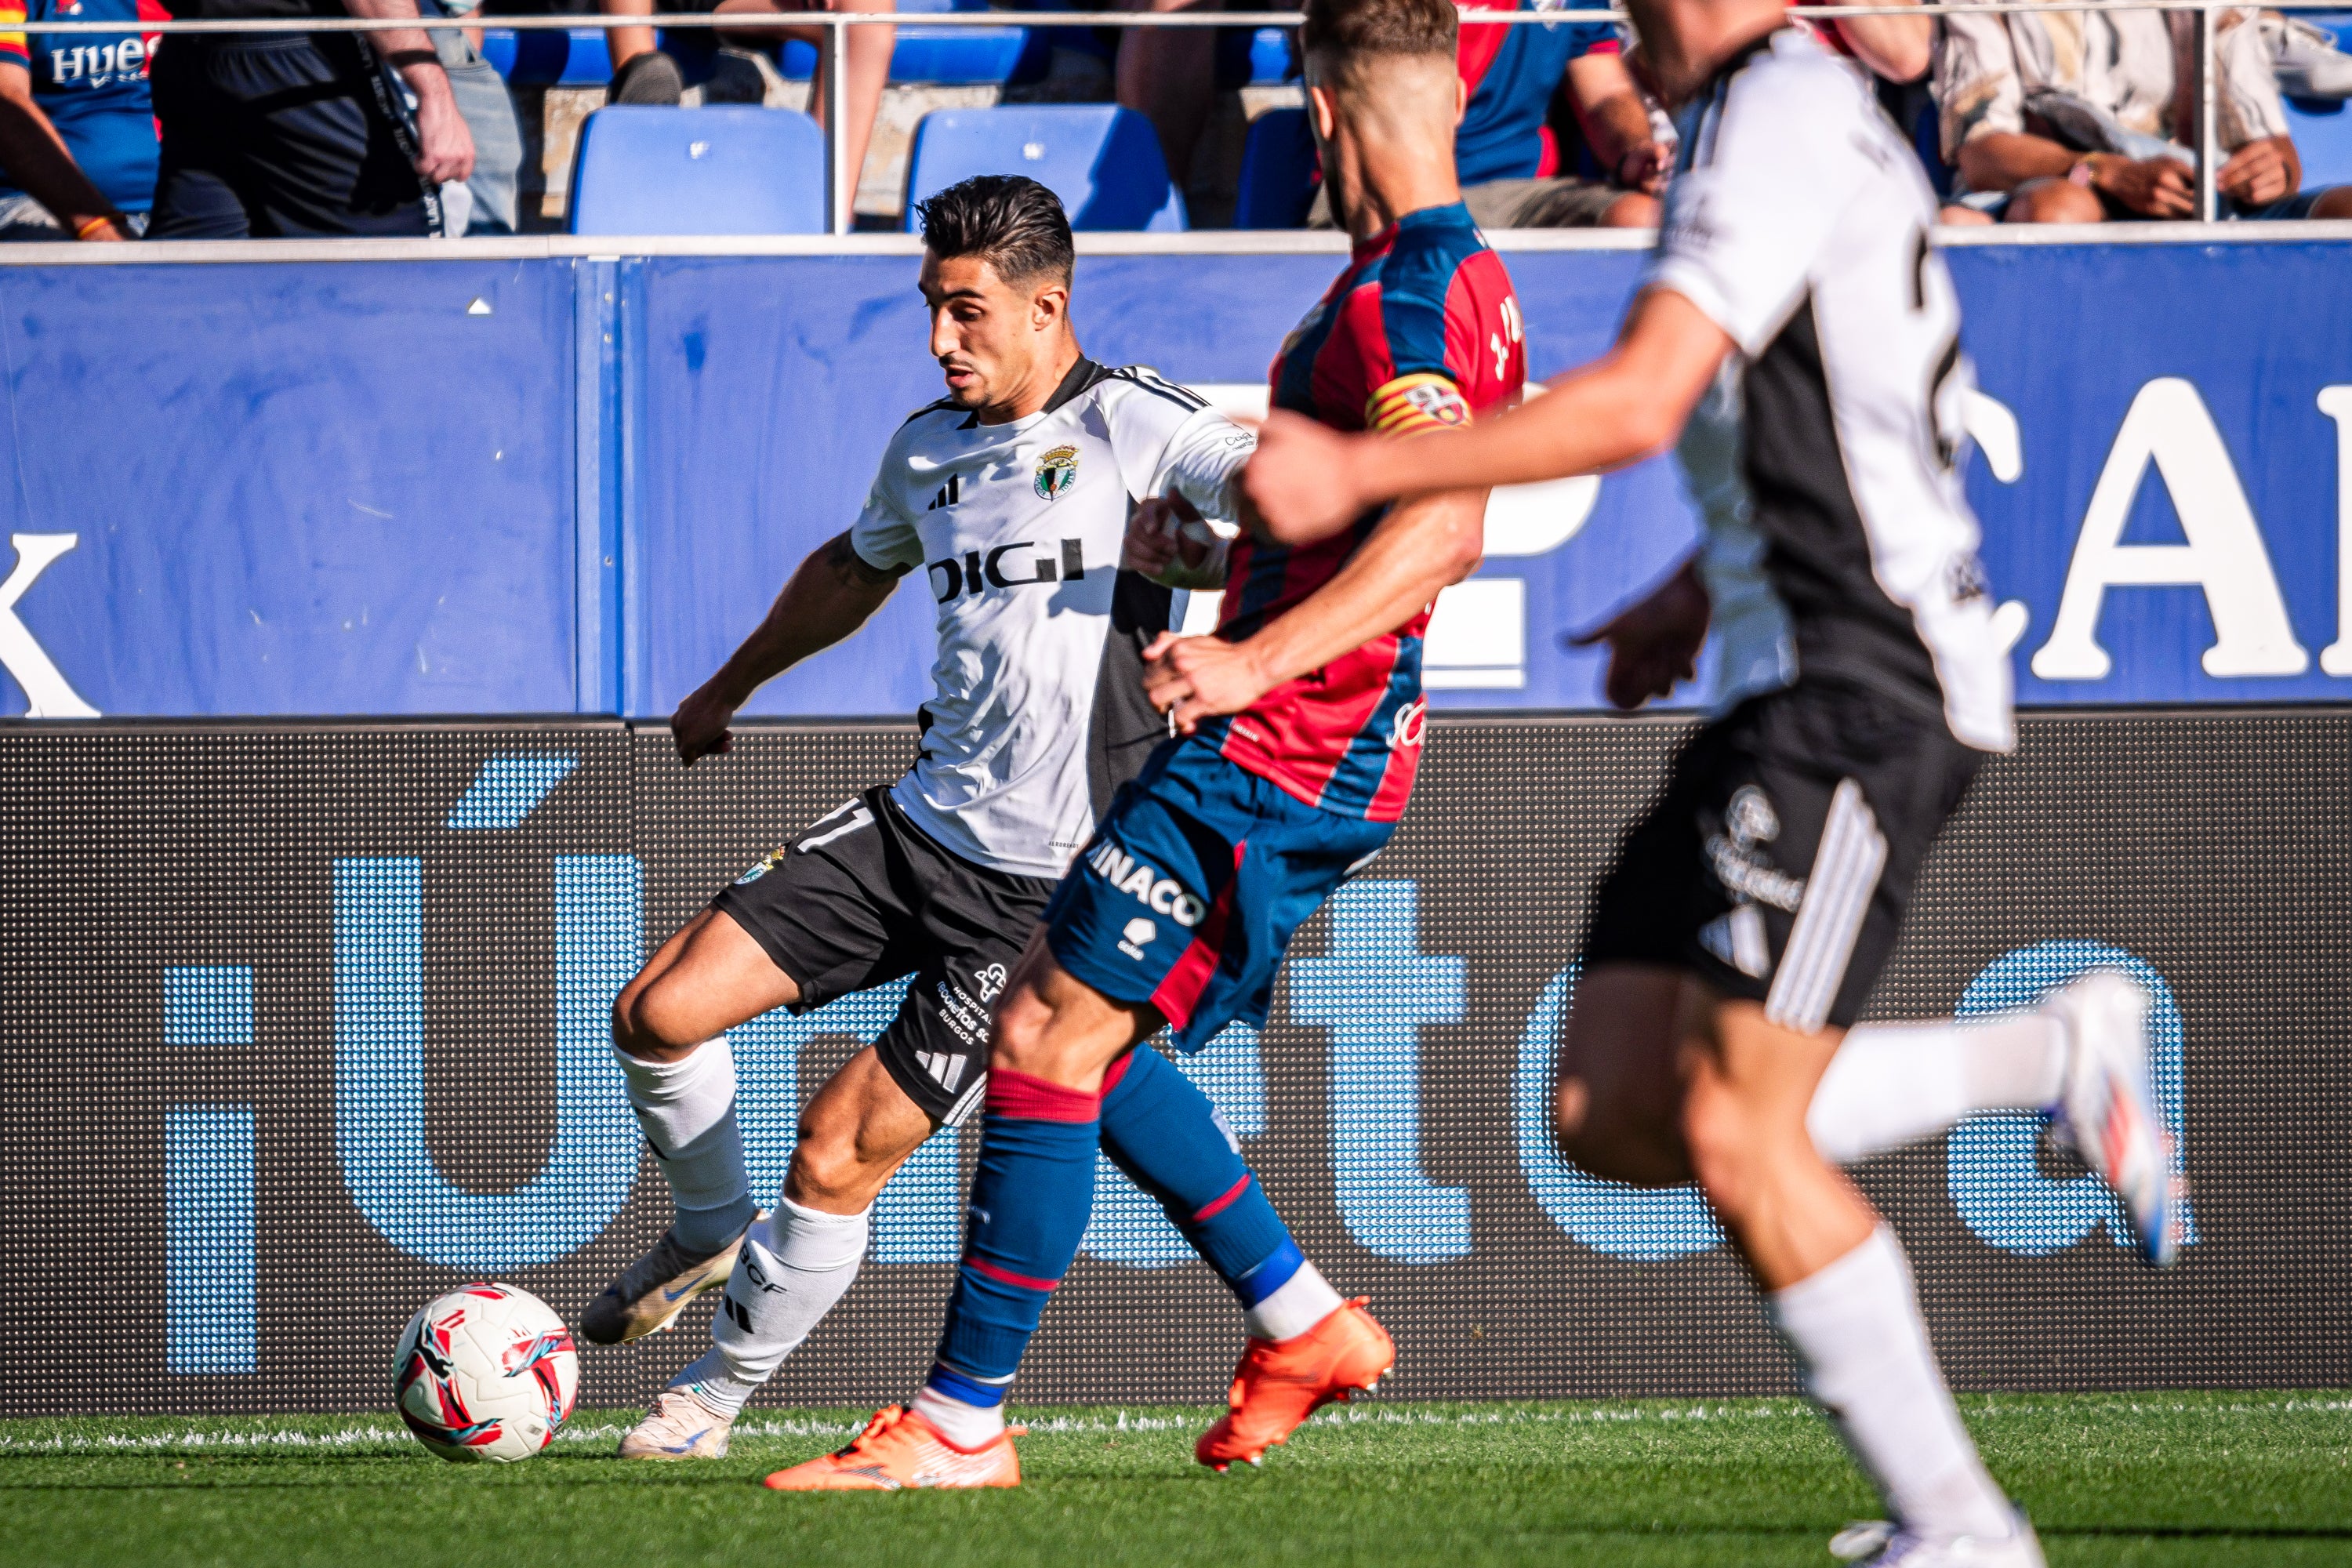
[
  {"x": 93, "y": 87},
  {"x": 1420, "y": 332},
  {"x": 1509, "y": 75}
]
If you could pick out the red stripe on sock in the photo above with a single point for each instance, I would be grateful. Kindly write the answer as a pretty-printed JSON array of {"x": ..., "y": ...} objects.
[
  {"x": 1026, "y": 1098},
  {"x": 1006, "y": 1276},
  {"x": 1220, "y": 1207},
  {"x": 1188, "y": 975}
]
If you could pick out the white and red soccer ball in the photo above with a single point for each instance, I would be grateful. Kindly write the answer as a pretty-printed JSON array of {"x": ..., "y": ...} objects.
[{"x": 487, "y": 1371}]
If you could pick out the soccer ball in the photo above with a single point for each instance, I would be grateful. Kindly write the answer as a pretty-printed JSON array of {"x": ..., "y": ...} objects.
[{"x": 485, "y": 1373}]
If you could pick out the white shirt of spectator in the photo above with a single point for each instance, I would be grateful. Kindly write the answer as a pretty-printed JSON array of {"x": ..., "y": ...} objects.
[
  {"x": 1798, "y": 221},
  {"x": 1016, "y": 531},
  {"x": 2130, "y": 63}
]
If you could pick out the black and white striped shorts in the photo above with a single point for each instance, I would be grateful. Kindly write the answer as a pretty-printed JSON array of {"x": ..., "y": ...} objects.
[{"x": 1778, "y": 862}]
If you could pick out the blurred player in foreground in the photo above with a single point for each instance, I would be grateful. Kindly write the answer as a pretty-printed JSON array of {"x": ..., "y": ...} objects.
[
  {"x": 1011, "y": 494},
  {"x": 1800, "y": 338},
  {"x": 1302, "y": 726}
]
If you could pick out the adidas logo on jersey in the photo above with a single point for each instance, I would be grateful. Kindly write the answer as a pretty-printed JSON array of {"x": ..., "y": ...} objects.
[
  {"x": 945, "y": 1067},
  {"x": 980, "y": 571},
  {"x": 1160, "y": 894},
  {"x": 951, "y": 493}
]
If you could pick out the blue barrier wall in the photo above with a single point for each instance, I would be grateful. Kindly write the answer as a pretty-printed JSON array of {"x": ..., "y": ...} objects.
[
  {"x": 571, "y": 484},
  {"x": 290, "y": 489}
]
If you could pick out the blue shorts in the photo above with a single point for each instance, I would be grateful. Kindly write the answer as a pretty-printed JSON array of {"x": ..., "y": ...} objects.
[{"x": 1195, "y": 882}]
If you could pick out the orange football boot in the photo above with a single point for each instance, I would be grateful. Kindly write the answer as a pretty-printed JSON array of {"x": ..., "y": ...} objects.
[
  {"x": 899, "y": 1448},
  {"x": 1281, "y": 1383}
]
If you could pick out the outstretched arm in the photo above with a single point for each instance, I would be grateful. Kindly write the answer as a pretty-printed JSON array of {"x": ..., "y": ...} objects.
[
  {"x": 1423, "y": 546},
  {"x": 832, "y": 594},
  {"x": 1307, "y": 482}
]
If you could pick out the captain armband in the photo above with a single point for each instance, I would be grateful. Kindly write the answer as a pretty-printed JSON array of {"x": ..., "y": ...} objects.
[{"x": 1415, "y": 404}]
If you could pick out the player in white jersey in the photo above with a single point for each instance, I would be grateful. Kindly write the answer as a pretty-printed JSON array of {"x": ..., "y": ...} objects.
[
  {"x": 1799, "y": 335},
  {"x": 1010, "y": 500}
]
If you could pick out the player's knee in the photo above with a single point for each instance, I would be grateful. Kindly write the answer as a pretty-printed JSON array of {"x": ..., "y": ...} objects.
[
  {"x": 1017, "y": 1037},
  {"x": 1609, "y": 1136},
  {"x": 825, "y": 1170},
  {"x": 649, "y": 1022},
  {"x": 1727, "y": 1146}
]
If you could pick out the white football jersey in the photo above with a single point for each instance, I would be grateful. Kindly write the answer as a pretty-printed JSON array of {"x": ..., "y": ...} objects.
[
  {"x": 1825, "y": 457},
  {"x": 1016, "y": 530}
]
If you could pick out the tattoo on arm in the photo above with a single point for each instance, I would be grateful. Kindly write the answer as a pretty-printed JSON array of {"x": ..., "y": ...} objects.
[{"x": 851, "y": 569}]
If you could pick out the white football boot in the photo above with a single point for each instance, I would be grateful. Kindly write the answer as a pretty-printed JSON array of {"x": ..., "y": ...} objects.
[
  {"x": 1878, "y": 1544},
  {"x": 679, "y": 1427},
  {"x": 651, "y": 1292},
  {"x": 2108, "y": 1113}
]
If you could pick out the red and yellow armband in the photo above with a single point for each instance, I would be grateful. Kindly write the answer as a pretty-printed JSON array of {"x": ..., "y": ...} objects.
[{"x": 1413, "y": 404}]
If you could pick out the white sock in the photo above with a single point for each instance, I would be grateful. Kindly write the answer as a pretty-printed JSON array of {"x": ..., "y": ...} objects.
[
  {"x": 1892, "y": 1083},
  {"x": 688, "y": 1110},
  {"x": 1857, "y": 1333},
  {"x": 792, "y": 1268},
  {"x": 1300, "y": 1302},
  {"x": 965, "y": 1426}
]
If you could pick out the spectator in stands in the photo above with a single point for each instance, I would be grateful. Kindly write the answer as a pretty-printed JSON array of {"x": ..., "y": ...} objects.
[
  {"x": 2084, "y": 116},
  {"x": 1172, "y": 76},
  {"x": 1506, "y": 155},
  {"x": 641, "y": 73},
  {"x": 2305, "y": 58},
  {"x": 1896, "y": 49},
  {"x": 279, "y": 135},
  {"x": 490, "y": 192},
  {"x": 77, "y": 131}
]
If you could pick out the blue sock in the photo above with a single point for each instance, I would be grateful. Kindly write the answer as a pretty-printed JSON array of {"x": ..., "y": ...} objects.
[
  {"x": 1158, "y": 1128},
  {"x": 1031, "y": 1199}
]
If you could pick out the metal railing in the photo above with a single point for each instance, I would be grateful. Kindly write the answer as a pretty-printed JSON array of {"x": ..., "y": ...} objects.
[{"x": 841, "y": 182}]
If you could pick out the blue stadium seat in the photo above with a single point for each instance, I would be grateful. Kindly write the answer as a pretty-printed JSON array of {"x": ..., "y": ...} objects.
[
  {"x": 574, "y": 57},
  {"x": 729, "y": 169},
  {"x": 945, "y": 56},
  {"x": 1103, "y": 160},
  {"x": 1277, "y": 172},
  {"x": 2322, "y": 130},
  {"x": 1269, "y": 57}
]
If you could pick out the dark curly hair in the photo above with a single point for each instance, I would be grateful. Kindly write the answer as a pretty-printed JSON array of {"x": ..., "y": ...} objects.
[{"x": 1009, "y": 221}]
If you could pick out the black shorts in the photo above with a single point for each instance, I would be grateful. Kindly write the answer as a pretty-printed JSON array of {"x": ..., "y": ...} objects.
[
  {"x": 862, "y": 897},
  {"x": 279, "y": 136},
  {"x": 1778, "y": 862}
]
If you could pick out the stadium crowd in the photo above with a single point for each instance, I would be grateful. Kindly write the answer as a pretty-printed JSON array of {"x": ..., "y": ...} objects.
[{"x": 2037, "y": 117}]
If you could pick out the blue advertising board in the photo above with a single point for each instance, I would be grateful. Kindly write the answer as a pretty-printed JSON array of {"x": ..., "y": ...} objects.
[
  {"x": 287, "y": 490},
  {"x": 558, "y": 483}
]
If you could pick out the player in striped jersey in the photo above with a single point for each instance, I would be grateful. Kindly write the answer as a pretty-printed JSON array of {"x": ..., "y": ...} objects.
[{"x": 1302, "y": 725}]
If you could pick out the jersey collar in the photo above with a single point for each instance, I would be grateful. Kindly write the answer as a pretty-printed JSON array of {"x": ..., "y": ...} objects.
[
  {"x": 1083, "y": 375},
  {"x": 1451, "y": 213}
]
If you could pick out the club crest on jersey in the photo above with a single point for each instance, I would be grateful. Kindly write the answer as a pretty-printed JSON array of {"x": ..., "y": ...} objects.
[
  {"x": 1160, "y": 894},
  {"x": 1057, "y": 472},
  {"x": 763, "y": 866}
]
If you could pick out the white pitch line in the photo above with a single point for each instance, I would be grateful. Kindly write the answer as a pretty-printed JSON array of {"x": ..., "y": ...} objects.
[{"x": 396, "y": 1438}]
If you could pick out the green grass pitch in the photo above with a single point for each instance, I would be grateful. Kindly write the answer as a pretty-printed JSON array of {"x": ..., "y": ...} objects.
[{"x": 2188, "y": 1478}]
